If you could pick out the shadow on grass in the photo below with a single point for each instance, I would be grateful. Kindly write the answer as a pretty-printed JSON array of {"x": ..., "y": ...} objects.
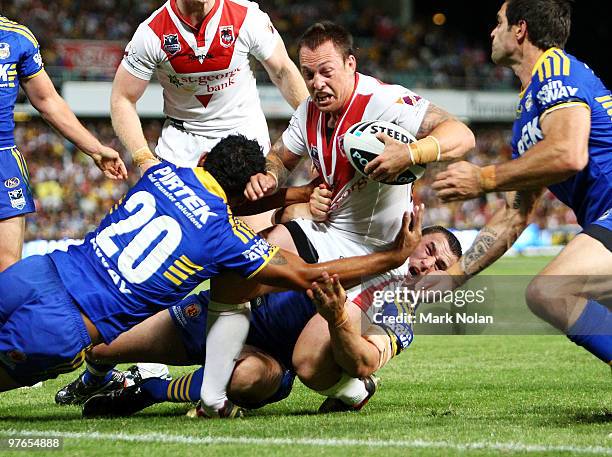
[{"x": 586, "y": 417}]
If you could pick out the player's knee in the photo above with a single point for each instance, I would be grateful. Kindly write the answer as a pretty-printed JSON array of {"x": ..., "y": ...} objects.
[
  {"x": 254, "y": 379},
  {"x": 546, "y": 302}
]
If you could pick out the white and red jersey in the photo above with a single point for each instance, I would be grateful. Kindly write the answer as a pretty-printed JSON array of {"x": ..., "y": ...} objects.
[
  {"x": 362, "y": 210},
  {"x": 205, "y": 74}
]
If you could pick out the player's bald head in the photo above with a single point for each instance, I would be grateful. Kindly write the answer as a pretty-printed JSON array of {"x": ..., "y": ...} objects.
[{"x": 548, "y": 21}]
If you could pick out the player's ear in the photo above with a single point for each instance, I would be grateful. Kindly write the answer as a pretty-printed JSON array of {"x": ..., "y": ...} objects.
[
  {"x": 520, "y": 31},
  {"x": 351, "y": 62}
]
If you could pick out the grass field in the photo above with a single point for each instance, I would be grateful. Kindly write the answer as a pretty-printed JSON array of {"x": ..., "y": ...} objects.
[{"x": 446, "y": 395}]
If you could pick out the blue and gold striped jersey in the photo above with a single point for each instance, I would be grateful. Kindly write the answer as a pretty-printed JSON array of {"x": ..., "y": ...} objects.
[
  {"x": 560, "y": 80},
  {"x": 19, "y": 59},
  {"x": 172, "y": 231}
]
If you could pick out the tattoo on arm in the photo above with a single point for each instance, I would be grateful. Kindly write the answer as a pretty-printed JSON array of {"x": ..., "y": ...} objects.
[
  {"x": 433, "y": 117},
  {"x": 278, "y": 259},
  {"x": 275, "y": 164},
  {"x": 471, "y": 262}
]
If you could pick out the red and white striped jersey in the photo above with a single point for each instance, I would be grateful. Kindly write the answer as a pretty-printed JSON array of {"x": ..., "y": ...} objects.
[
  {"x": 205, "y": 74},
  {"x": 363, "y": 210}
]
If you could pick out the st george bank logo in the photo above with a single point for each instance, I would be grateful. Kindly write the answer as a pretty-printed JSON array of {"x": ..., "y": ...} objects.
[{"x": 11, "y": 183}]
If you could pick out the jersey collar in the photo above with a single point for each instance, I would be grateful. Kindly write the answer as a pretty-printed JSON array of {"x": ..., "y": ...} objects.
[
  {"x": 537, "y": 65},
  {"x": 199, "y": 33},
  {"x": 210, "y": 183}
]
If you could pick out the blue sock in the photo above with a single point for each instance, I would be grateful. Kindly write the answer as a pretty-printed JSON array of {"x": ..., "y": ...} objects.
[
  {"x": 183, "y": 389},
  {"x": 593, "y": 331},
  {"x": 97, "y": 373}
]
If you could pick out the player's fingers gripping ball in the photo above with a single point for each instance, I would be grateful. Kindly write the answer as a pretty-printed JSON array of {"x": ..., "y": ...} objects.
[{"x": 362, "y": 147}]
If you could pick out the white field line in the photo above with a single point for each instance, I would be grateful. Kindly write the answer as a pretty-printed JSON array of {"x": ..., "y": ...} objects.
[{"x": 322, "y": 442}]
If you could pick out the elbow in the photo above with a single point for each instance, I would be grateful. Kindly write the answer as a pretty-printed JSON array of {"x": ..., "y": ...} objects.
[{"x": 573, "y": 162}]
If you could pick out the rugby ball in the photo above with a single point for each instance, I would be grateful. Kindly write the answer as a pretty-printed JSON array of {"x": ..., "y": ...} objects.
[{"x": 361, "y": 146}]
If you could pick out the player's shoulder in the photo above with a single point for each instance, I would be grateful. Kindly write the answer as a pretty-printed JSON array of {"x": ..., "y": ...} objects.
[
  {"x": 383, "y": 95},
  {"x": 17, "y": 31},
  {"x": 557, "y": 64}
]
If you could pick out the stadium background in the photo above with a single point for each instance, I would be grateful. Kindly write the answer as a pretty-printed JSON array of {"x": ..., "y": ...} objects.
[{"x": 437, "y": 48}]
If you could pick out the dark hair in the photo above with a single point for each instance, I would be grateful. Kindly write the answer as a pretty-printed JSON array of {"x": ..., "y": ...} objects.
[
  {"x": 233, "y": 161},
  {"x": 548, "y": 21},
  {"x": 324, "y": 31},
  {"x": 453, "y": 241}
]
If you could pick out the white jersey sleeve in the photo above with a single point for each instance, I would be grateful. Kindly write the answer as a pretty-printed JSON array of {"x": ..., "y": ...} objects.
[
  {"x": 261, "y": 34},
  {"x": 408, "y": 111},
  {"x": 142, "y": 53},
  {"x": 294, "y": 137}
]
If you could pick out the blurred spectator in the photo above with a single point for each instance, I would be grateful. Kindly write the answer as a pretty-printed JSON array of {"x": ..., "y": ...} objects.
[{"x": 420, "y": 55}]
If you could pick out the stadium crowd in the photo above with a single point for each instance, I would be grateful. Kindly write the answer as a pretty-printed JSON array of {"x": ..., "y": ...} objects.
[
  {"x": 71, "y": 195},
  {"x": 419, "y": 55}
]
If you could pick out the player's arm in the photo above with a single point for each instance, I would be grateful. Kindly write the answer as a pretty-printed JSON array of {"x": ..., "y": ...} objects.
[
  {"x": 562, "y": 153},
  {"x": 284, "y": 197},
  {"x": 127, "y": 90},
  {"x": 285, "y": 75},
  {"x": 357, "y": 356},
  {"x": 289, "y": 271},
  {"x": 280, "y": 161},
  {"x": 440, "y": 137},
  {"x": 54, "y": 109},
  {"x": 494, "y": 239}
]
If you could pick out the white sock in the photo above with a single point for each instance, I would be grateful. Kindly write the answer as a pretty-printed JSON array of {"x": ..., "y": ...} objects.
[
  {"x": 227, "y": 329},
  {"x": 351, "y": 391}
]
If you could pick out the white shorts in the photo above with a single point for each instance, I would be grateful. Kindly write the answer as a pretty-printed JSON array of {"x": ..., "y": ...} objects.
[
  {"x": 185, "y": 149},
  {"x": 331, "y": 245}
]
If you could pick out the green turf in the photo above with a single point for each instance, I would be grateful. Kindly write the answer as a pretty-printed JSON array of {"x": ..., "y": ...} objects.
[{"x": 461, "y": 390}]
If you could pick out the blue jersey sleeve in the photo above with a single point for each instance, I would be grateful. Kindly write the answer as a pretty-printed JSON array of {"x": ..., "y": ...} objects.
[
  {"x": 241, "y": 250},
  {"x": 560, "y": 81},
  {"x": 30, "y": 62}
]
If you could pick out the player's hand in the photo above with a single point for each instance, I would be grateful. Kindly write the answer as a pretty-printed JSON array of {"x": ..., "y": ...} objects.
[
  {"x": 259, "y": 186},
  {"x": 329, "y": 297},
  {"x": 320, "y": 202},
  {"x": 409, "y": 235},
  {"x": 109, "y": 161},
  {"x": 394, "y": 159},
  {"x": 460, "y": 181}
]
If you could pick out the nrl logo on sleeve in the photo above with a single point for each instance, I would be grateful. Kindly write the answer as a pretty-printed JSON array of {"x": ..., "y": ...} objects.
[
  {"x": 171, "y": 43},
  {"x": 5, "y": 51},
  {"x": 226, "y": 35}
]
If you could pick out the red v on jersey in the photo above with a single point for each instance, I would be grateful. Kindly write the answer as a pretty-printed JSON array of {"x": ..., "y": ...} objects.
[
  {"x": 216, "y": 54},
  {"x": 334, "y": 161}
]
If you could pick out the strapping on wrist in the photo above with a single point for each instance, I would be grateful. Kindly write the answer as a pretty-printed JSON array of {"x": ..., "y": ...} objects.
[
  {"x": 425, "y": 150},
  {"x": 488, "y": 180},
  {"x": 142, "y": 156}
]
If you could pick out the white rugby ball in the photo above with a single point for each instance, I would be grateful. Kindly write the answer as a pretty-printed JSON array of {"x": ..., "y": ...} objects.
[{"x": 361, "y": 147}]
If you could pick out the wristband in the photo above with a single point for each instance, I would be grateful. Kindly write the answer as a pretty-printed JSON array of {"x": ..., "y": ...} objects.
[
  {"x": 425, "y": 150},
  {"x": 487, "y": 178},
  {"x": 143, "y": 155}
]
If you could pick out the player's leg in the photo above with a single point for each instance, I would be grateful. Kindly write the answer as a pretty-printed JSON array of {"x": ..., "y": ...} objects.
[
  {"x": 314, "y": 363},
  {"x": 570, "y": 291},
  {"x": 156, "y": 339},
  {"x": 15, "y": 202},
  {"x": 11, "y": 240}
]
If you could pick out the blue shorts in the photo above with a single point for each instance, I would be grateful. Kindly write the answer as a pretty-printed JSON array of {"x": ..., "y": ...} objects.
[
  {"x": 15, "y": 193},
  {"x": 277, "y": 320},
  {"x": 42, "y": 333},
  {"x": 601, "y": 229}
]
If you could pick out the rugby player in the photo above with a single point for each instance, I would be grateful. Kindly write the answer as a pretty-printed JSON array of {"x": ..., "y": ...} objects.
[
  {"x": 170, "y": 232},
  {"x": 21, "y": 64},
  {"x": 562, "y": 139},
  {"x": 267, "y": 365},
  {"x": 363, "y": 213},
  {"x": 199, "y": 50}
]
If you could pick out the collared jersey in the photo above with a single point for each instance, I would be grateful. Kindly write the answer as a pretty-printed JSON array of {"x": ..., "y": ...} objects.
[
  {"x": 205, "y": 74},
  {"x": 560, "y": 80},
  {"x": 172, "y": 231},
  {"x": 19, "y": 59},
  {"x": 363, "y": 210}
]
